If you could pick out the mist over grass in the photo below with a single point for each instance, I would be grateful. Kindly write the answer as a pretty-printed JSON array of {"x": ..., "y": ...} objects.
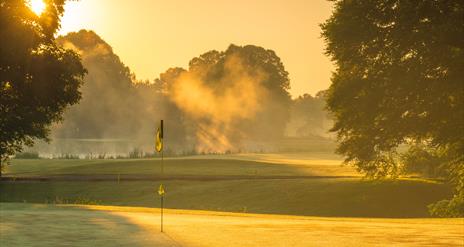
[{"x": 229, "y": 101}]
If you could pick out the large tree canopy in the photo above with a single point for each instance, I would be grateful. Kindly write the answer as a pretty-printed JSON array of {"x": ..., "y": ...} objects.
[
  {"x": 398, "y": 79},
  {"x": 108, "y": 94},
  {"x": 114, "y": 104},
  {"x": 231, "y": 96},
  {"x": 38, "y": 79}
]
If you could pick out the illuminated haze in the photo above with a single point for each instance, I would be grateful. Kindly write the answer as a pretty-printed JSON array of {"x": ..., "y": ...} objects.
[
  {"x": 152, "y": 36},
  {"x": 216, "y": 111}
]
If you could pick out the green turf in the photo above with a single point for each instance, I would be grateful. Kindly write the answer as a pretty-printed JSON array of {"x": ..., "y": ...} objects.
[
  {"x": 44, "y": 225},
  {"x": 315, "y": 197},
  {"x": 24, "y": 224},
  {"x": 208, "y": 166}
]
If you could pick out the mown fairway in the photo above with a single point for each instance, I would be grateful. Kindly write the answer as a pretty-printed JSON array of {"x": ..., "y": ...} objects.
[
  {"x": 48, "y": 225},
  {"x": 313, "y": 164},
  {"x": 276, "y": 200},
  {"x": 271, "y": 184}
]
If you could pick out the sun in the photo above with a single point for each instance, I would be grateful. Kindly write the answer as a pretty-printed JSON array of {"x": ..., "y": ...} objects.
[{"x": 37, "y": 6}]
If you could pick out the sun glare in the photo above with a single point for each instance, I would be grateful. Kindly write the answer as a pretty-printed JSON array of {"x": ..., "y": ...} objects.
[{"x": 37, "y": 6}]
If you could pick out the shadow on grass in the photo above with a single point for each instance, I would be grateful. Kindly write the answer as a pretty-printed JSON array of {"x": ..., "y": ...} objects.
[
  {"x": 310, "y": 197},
  {"x": 47, "y": 225}
]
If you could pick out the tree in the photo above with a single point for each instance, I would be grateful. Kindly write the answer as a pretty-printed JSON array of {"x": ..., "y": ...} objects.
[
  {"x": 115, "y": 105},
  {"x": 108, "y": 94},
  {"x": 177, "y": 126},
  {"x": 308, "y": 116},
  {"x": 38, "y": 79},
  {"x": 422, "y": 160},
  {"x": 229, "y": 96},
  {"x": 271, "y": 119},
  {"x": 398, "y": 79}
]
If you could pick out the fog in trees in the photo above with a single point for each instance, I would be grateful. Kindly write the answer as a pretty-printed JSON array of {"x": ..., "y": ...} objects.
[
  {"x": 225, "y": 101},
  {"x": 308, "y": 117}
]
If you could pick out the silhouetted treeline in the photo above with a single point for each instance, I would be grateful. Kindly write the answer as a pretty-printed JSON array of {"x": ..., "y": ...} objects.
[
  {"x": 224, "y": 101},
  {"x": 309, "y": 117}
]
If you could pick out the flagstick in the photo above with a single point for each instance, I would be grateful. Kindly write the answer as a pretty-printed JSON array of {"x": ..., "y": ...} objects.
[
  {"x": 160, "y": 148},
  {"x": 162, "y": 213},
  {"x": 162, "y": 196}
]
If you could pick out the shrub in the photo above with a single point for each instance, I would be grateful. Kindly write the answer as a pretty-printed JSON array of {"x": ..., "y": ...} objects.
[
  {"x": 453, "y": 207},
  {"x": 67, "y": 156},
  {"x": 136, "y": 153},
  {"x": 27, "y": 155},
  {"x": 424, "y": 161}
]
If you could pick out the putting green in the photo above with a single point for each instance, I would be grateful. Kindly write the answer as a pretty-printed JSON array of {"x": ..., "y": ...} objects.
[{"x": 47, "y": 225}]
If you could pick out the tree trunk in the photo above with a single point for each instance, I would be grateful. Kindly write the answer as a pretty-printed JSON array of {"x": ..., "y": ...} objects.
[{"x": 1, "y": 168}]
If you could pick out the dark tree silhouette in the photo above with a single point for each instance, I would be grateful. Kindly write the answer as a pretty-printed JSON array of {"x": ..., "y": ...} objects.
[
  {"x": 38, "y": 79},
  {"x": 212, "y": 68},
  {"x": 108, "y": 94},
  {"x": 398, "y": 79}
]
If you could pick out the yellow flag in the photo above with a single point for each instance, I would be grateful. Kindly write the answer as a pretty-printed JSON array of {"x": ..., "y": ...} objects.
[
  {"x": 161, "y": 190},
  {"x": 159, "y": 141}
]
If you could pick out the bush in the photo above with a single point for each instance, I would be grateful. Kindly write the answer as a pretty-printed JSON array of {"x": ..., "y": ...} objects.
[
  {"x": 78, "y": 200},
  {"x": 425, "y": 161},
  {"x": 136, "y": 153},
  {"x": 433, "y": 162},
  {"x": 67, "y": 156},
  {"x": 27, "y": 155},
  {"x": 448, "y": 208}
]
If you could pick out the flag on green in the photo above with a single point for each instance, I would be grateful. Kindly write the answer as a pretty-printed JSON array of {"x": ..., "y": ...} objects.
[
  {"x": 159, "y": 138},
  {"x": 161, "y": 190}
]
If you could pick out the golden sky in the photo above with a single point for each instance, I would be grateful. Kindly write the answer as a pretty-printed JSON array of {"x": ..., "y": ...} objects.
[{"x": 151, "y": 36}]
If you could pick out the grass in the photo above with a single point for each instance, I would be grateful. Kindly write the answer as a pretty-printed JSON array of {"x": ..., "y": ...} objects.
[
  {"x": 42, "y": 225},
  {"x": 48, "y": 225},
  {"x": 340, "y": 197},
  {"x": 316, "y": 197},
  {"x": 318, "y": 164},
  {"x": 255, "y": 211}
]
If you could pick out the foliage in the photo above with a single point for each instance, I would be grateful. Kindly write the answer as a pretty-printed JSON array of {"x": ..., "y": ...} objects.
[
  {"x": 425, "y": 161},
  {"x": 453, "y": 207},
  {"x": 308, "y": 116},
  {"x": 136, "y": 154},
  {"x": 27, "y": 155},
  {"x": 115, "y": 104},
  {"x": 38, "y": 79},
  {"x": 222, "y": 72},
  {"x": 177, "y": 126},
  {"x": 398, "y": 79},
  {"x": 66, "y": 156},
  {"x": 108, "y": 92},
  {"x": 270, "y": 121}
]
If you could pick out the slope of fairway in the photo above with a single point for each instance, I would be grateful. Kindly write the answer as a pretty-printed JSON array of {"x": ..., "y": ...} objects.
[
  {"x": 312, "y": 197},
  {"x": 45, "y": 225},
  {"x": 290, "y": 184},
  {"x": 314, "y": 164}
]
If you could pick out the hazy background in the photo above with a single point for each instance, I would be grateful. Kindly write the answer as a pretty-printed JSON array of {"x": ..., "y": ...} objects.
[
  {"x": 151, "y": 36},
  {"x": 235, "y": 100},
  {"x": 141, "y": 62}
]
